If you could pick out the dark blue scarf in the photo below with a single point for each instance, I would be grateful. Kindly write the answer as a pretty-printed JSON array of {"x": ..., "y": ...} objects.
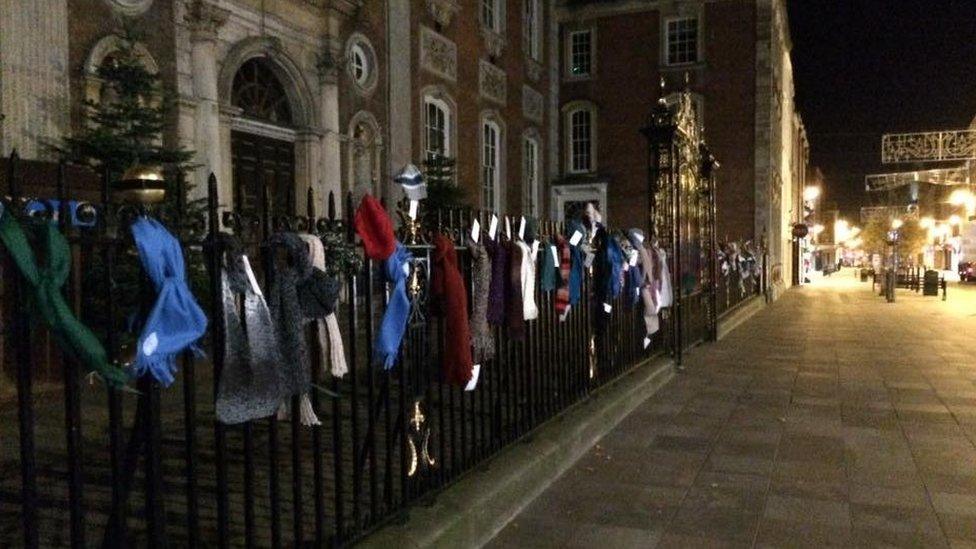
[
  {"x": 575, "y": 263},
  {"x": 176, "y": 322},
  {"x": 396, "y": 268}
]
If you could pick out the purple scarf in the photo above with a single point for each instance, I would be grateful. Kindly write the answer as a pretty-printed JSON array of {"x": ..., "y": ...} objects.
[{"x": 499, "y": 274}]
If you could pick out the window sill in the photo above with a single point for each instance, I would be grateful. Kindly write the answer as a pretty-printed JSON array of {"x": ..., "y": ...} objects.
[{"x": 664, "y": 67}]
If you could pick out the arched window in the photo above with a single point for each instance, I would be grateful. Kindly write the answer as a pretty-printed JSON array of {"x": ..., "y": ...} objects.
[
  {"x": 258, "y": 92},
  {"x": 490, "y": 165},
  {"x": 531, "y": 174},
  {"x": 437, "y": 128},
  {"x": 580, "y": 124},
  {"x": 362, "y": 64}
]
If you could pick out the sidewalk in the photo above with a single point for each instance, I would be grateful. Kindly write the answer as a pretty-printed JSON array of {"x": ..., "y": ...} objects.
[{"x": 831, "y": 417}]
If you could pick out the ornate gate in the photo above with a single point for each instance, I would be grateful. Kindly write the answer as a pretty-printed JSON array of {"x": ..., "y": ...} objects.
[{"x": 682, "y": 218}]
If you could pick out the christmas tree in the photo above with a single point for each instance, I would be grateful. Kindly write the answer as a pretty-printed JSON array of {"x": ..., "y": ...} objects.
[
  {"x": 442, "y": 191},
  {"x": 125, "y": 126}
]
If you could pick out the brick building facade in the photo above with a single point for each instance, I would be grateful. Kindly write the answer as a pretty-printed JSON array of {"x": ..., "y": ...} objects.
[
  {"x": 734, "y": 57},
  {"x": 539, "y": 103}
]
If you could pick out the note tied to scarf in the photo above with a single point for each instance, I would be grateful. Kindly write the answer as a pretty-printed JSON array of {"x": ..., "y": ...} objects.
[
  {"x": 522, "y": 228},
  {"x": 413, "y": 209},
  {"x": 607, "y": 308},
  {"x": 639, "y": 237},
  {"x": 473, "y": 382},
  {"x": 555, "y": 255},
  {"x": 575, "y": 239},
  {"x": 493, "y": 226},
  {"x": 476, "y": 231},
  {"x": 633, "y": 258},
  {"x": 647, "y": 341},
  {"x": 508, "y": 227}
]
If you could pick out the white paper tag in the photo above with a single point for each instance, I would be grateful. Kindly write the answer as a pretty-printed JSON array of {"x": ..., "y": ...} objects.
[
  {"x": 150, "y": 344},
  {"x": 607, "y": 307},
  {"x": 647, "y": 341},
  {"x": 413, "y": 209},
  {"x": 476, "y": 231},
  {"x": 640, "y": 238},
  {"x": 508, "y": 227},
  {"x": 521, "y": 232},
  {"x": 555, "y": 255},
  {"x": 250, "y": 276},
  {"x": 633, "y": 258},
  {"x": 493, "y": 226},
  {"x": 535, "y": 248},
  {"x": 575, "y": 239},
  {"x": 473, "y": 382},
  {"x": 588, "y": 260}
]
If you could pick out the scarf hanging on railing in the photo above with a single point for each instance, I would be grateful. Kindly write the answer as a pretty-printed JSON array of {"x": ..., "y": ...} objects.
[
  {"x": 530, "y": 311},
  {"x": 449, "y": 300},
  {"x": 497, "y": 294},
  {"x": 562, "y": 292},
  {"x": 549, "y": 270},
  {"x": 514, "y": 310},
  {"x": 664, "y": 292},
  {"x": 288, "y": 317},
  {"x": 48, "y": 303},
  {"x": 250, "y": 383},
  {"x": 394, "y": 323},
  {"x": 374, "y": 227},
  {"x": 326, "y": 324},
  {"x": 647, "y": 283},
  {"x": 482, "y": 338},
  {"x": 175, "y": 322},
  {"x": 576, "y": 266}
]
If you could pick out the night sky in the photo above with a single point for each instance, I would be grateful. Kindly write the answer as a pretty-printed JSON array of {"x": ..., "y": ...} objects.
[{"x": 866, "y": 67}]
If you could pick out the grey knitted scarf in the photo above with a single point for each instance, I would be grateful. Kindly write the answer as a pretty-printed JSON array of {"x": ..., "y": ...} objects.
[
  {"x": 249, "y": 386},
  {"x": 287, "y": 313},
  {"x": 482, "y": 338}
]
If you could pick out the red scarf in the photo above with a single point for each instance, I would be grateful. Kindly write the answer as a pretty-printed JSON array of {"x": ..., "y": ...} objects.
[{"x": 449, "y": 300}]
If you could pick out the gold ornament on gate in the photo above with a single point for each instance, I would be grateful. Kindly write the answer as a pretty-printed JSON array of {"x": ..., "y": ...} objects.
[{"x": 141, "y": 184}]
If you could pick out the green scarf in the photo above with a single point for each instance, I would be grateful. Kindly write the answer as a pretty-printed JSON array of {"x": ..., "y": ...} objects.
[{"x": 48, "y": 303}]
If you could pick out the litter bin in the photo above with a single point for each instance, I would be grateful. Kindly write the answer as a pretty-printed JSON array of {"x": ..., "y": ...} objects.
[
  {"x": 864, "y": 275},
  {"x": 930, "y": 283}
]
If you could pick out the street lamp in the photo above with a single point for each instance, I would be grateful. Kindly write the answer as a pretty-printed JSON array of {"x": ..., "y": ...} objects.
[{"x": 896, "y": 224}]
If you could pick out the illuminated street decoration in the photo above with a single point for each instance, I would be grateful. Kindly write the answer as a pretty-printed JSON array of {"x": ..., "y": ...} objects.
[
  {"x": 940, "y": 176},
  {"x": 928, "y": 146}
]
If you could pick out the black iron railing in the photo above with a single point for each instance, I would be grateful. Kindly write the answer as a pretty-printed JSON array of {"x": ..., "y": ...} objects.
[{"x": 84, "y": 464}]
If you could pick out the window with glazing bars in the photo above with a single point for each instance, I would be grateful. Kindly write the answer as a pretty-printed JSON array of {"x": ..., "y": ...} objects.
[
  {"x": 580, "y": 53},
  {"x": 489, "y": 166},
  {"x": 581, "y": 141},
  {"x": 682, "y": 40},
  {"x": 436, "y": 126}
]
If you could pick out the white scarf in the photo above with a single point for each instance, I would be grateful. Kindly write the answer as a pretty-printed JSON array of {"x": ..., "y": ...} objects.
[
  {"x": 327, "y": 328},
  {"x": 529, "y": 309}
]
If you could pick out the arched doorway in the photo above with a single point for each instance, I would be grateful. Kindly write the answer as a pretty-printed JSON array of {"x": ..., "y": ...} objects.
[{"x": 262, "y": 156}]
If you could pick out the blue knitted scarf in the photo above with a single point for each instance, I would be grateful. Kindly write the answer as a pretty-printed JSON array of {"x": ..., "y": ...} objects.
[
  {"x": 394, "y": 323},
  {"x": 176, "y": 322}
]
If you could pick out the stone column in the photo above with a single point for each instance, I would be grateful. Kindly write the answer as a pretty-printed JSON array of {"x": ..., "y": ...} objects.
[
  {"x": 400, "y": 63},
  {"x": 34, "y": 91},
  {"x": 203, "y": 20},
  {"x": 331, "y": 156}
]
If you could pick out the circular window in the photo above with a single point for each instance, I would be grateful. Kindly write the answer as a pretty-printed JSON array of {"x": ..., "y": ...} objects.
[
  {"x": 130, "y": 7},
  {"x": 361, "y": 63}
]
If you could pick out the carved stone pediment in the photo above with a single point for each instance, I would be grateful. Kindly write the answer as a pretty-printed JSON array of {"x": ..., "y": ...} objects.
[
  {"x": 494, "y": 42},
  {"x": 533, "y": 104},
  {"x": 443, "y": 11},
  {"x": 492, "y": 82},
  {"x": 438, "y": 54}
]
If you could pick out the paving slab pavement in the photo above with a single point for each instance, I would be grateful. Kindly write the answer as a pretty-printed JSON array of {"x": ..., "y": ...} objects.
[{"x": 831, "y": 418}]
